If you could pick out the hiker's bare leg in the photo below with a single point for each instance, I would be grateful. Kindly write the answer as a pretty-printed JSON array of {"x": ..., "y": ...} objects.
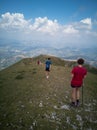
[
  {"x": 77, "y": 93},
  {"x": 47, "y": 74},
  {"x": 73, "y": 94}
]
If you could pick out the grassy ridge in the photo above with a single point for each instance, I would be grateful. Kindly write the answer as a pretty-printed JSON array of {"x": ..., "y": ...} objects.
[{"x": 28, "y": 101}]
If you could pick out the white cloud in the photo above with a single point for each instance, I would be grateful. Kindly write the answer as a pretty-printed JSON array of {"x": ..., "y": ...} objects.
[
  {"x": 87, "y": 23},
  {"x": 43, "y": 29},
  {"x": 69, "y": 29},
  {"x": 45, "y": 25},
  {"x": 15, "y": 20}
]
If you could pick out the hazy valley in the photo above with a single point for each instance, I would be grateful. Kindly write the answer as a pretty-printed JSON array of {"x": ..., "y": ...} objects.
[{"x": 13, "y": 52}]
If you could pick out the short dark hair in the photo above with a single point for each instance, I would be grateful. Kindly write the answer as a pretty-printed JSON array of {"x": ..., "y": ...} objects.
[
  {"x": 80, "y": 61},
  {"x": 49, "y": 58}
]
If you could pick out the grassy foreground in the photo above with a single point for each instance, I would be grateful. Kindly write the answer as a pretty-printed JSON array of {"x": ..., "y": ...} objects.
[{"x": 29, "y": 101}]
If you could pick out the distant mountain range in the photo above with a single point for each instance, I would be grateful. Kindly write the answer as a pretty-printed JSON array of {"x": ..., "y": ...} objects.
[{"x": 12, "y": 52}]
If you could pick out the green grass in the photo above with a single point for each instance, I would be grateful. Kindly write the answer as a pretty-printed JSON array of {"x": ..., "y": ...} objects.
[{"x": 28, "y": 101}]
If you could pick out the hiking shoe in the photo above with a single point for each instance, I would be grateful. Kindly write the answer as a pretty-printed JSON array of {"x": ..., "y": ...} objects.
[
  {"x": 77, "y": 103},
  {"x": 72, "y": 104},
  {"x": 47, "y": 77}
]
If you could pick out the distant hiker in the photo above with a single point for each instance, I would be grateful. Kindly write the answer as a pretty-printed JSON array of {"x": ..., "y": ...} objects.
[
  {"x": 38, "y": 62},
  {"x": 48, "y": 67},
  {"x": 78, "y": 74}
]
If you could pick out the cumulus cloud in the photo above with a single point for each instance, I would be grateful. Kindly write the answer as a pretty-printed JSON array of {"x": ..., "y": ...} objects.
[
  {"x": 13, "y": 21},
  {"x": 87, "y": 23},
  {"x": 45, "y": 25},
  {"x": 43, "y": 29}
]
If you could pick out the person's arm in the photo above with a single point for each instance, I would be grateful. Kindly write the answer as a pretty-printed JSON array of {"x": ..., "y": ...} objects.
[{"x": 72, "y": 75}]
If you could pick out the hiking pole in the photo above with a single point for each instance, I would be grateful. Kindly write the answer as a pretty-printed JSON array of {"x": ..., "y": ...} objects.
[{"x": 82, "y": 93}]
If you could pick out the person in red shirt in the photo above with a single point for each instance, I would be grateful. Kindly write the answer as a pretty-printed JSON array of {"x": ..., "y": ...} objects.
[{"x": 78, "y": 74}]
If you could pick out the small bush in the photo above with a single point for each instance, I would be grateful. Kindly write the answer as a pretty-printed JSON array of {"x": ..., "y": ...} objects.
[{"x": 19, "y": 77}]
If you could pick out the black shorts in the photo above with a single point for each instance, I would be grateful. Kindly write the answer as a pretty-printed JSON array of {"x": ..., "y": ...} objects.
[
  {"x": 47, "y": 69},
  {"x": 75, "y": 86}
]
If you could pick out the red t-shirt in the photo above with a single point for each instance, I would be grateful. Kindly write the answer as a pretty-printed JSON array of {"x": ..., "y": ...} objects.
[{"x": 79, "y": 73}]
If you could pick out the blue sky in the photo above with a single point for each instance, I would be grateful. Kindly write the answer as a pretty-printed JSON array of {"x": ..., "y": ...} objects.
[
  {"x": 63, "y": 10},
  {"x": 68, "y": 21}
]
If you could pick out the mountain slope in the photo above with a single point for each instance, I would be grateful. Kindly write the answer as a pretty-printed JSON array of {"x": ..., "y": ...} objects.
[{"x": 28, "y": 101}]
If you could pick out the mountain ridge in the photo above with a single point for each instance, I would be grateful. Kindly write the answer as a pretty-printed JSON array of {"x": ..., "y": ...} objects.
[{"x": 29, "y": 101}]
